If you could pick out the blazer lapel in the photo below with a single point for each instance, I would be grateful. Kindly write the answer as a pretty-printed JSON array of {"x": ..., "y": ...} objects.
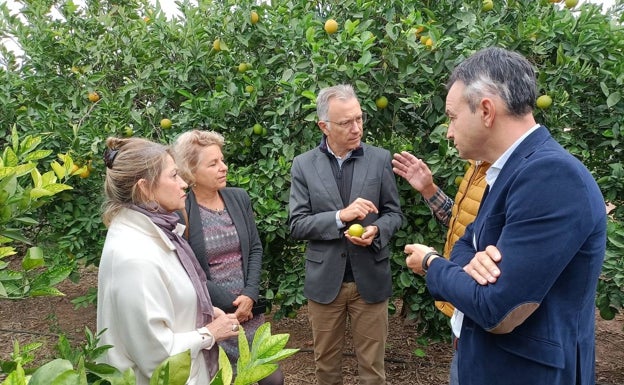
[
  {"x": 520, "y": 154},
  {"x": 326, "y": 176},
  {"x": 360, "y": 169}
]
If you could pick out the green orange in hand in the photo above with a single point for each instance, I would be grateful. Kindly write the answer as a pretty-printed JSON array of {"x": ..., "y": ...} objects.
[{"x": 356, "y": 230}]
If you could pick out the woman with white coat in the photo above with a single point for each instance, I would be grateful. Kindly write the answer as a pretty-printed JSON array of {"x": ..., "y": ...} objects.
[{"x": 152, "y": 296}]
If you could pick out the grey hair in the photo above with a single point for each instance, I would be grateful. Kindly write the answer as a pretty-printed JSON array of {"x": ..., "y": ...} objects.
[
  {"x": 341, "y": 91},
  {"x": 497, "y": 71},
  {"x": 187, "y": 149},
  {"x": 134, "y": 159}
]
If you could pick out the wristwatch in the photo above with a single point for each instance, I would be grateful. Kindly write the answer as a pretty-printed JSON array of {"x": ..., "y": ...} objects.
[{"x": 426, "y": 258}]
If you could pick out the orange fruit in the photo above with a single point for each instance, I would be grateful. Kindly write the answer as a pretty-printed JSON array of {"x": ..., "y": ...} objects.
[
  {"x": 165, "y": 124},
  {"x": 254, "y": 17},
  {"x": 331, "y": 26},
  {"x": 543, "y": 102},
  {"x": 571, "y": 3},
  {"x": 356, "y": 230},
  {"x": 85, "y": 173},
  {"x": 93, "y": 96},
  {"x": 381, "y": 102}
]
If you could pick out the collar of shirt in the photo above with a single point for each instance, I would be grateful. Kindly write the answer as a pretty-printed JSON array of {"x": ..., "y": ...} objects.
[
  {"x": 492, "y": 173},
  {"x": 359, "y": 151}
]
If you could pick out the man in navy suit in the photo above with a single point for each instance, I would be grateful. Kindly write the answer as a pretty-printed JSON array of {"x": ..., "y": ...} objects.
[
  {"x": 339, "y": 183},
  {"x": 523, "y": 277}
]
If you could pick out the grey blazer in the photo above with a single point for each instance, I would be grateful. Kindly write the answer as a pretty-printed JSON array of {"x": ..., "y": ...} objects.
[
  {"x": 239, "y": 208},
  {"x": 314, "y": 200}
]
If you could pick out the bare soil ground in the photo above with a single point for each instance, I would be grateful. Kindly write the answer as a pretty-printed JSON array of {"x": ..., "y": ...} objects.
[{"x": 43, "y": 319}]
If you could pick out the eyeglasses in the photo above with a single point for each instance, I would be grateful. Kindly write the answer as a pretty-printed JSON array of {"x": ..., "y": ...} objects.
[{"x": 359, "y": 120}]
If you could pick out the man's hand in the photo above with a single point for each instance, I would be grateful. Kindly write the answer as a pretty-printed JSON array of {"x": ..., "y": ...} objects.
[
  {"x": 416, "y": 252},
  {"x": 359, "y": 209},
  {"x": 415, "y": 172},
  {"x": 370, "y": 232},
  {"x": 483, "y": 267}
]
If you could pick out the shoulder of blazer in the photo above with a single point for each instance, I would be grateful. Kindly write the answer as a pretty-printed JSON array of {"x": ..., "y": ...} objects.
[
  {"x": 235, "y": 192},
  {"x": 308, "y": 155},
  {"x": 374, "y": 150},
  {"x": 535, "y": 139}
]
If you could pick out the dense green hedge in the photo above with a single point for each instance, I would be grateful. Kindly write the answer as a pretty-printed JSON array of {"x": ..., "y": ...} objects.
[{"x": 145, "y": 67}]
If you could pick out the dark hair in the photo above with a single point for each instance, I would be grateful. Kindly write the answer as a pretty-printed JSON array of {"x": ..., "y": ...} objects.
[{"x": 497, "y": 71}]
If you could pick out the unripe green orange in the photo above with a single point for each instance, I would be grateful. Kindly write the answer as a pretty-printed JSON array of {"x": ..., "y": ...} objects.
[
  {"x": 356, "y": 230},
  {"x": 165, "y": 124},
  {"x": 381, "y": 102},
  {"x": 543, "y": 102}
]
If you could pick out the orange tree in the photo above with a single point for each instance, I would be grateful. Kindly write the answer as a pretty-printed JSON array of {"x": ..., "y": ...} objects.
[{"x": 252, "y": 72}]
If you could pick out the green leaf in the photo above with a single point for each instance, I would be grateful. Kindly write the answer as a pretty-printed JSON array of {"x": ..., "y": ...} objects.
[
  {"x": 38, "y": 192},
  {"x": 30, "y": 143},
  {"x": 39, "y": 154},
  {"x": 14, "y": 234},
  {"x": 27, "y": 220},
  {"x": 3, "y": 292},
  {"x": 613, "y": 99},
  {"x": 310, "y": 95},
  {"x": 225, "y": 367},
  {"x": 17, "y": 377},
  {"x": 58, "y": 169},
  {"x": 244, "y": 356},
  {"x": 33, "y": 259},
  {"x": 6, "y": 251},
  {"x": 46, "y": 292},
  {"x": 259, "y": 372},
  {"x": 175, "y": 369},
  {"x": 10, "y": 158},
  {"x": 46, "y": 374},
  {"x": 57, "y": 188}
]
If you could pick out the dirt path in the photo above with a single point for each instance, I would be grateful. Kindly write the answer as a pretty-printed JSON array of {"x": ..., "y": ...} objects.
[{"x": 43, "y": 319}]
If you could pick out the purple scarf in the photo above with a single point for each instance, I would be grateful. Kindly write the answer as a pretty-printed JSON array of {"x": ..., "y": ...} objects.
[{"x": 168, "y": 223}]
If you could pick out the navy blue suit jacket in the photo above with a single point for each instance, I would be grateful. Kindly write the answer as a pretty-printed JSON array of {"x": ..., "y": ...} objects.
[{"x": 546, "y": 215}]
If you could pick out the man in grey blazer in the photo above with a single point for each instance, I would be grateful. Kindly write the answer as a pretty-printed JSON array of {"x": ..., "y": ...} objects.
[{"x": 341, "y": 182}]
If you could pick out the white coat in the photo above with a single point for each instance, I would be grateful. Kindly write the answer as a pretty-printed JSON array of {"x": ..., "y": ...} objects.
[{"x": 146, "y": 301}]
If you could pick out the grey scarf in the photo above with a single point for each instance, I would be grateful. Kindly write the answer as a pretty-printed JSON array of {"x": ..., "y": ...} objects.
[{"x": 168, "y": 222}]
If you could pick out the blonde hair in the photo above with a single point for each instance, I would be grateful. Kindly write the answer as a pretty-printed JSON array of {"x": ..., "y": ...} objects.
[
  {"x": 129, "y": 160},
  {"x": 187, "y": 150}
]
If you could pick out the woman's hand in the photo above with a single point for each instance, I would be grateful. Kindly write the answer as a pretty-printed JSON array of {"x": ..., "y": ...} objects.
[
  {"x": 243, "y": 305},
  {"x": 223, "y": 326}
]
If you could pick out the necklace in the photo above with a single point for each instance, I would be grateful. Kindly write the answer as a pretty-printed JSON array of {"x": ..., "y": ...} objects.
[
  {"x": 215, "y": 211},
  {"x": 217, "y": 208}
]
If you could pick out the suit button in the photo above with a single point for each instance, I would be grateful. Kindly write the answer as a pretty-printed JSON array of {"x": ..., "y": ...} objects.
[{"x": 343, "y": 255}]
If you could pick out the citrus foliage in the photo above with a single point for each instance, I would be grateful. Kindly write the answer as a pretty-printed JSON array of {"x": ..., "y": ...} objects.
[
  {"x": 79, "y": 366},
  {"x": 256, "y": 363},
  {"x": 255, "y": 80},
  {"x": 23, "y": 189}
]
